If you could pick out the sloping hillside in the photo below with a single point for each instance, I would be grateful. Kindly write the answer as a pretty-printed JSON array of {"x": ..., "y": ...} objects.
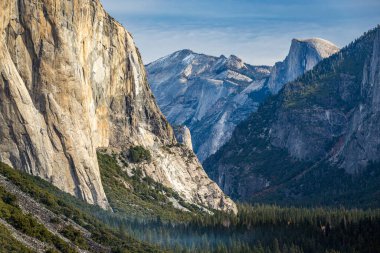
[{"x": 37, "y": 216}]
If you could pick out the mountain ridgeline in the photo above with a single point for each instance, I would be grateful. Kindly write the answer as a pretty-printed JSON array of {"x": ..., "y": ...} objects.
[
  {"x": 211, "y": 95},
  {"x": 317, "y": 141},
  {"x": 71, "y": 83}
]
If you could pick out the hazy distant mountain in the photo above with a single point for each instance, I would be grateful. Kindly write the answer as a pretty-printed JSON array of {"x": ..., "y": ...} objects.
[
  {"x": 317, "y": 141},
  {"x": 211, "y": 95}
]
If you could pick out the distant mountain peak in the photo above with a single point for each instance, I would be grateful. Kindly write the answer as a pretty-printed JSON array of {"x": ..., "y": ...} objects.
[
  {"x": 180, "y": 54},
  {"x": 324, "y": 47},
  {"x": 303, "y": 55},
  {"x": 314, "y": 40},
  {"x": 234, "y": 58},
  {"x": 235, "y": 62},
  {"x": 202, "y": 92},
  {"x": 183, "y": 52}
]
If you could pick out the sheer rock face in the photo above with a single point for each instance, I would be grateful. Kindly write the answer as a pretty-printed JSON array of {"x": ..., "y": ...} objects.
[
  {"x": 362, "y": 140},
  {"x": 303, "y": 56},
  {"x": 72, "y": 81},
  {"x": 183, "y": 136}
]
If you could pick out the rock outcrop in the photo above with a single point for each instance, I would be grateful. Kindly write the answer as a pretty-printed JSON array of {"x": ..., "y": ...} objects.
[
  {"x": 72, "y": 81},
  {"x": 316, "y": 138},
  {"x": 183, "y": 136},
  {"x": 303, "y": 55}
]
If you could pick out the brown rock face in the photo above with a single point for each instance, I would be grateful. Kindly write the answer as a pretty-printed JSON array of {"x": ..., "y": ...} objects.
[{"x": 72, "y": 81}]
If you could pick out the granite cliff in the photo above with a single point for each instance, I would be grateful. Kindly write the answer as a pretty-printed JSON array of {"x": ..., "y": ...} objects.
[
  {"x": 303, "y": 55},
  {"x": 72, "y": 82}
]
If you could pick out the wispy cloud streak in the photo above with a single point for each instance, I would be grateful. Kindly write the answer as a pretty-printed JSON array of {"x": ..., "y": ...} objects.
[{"x": 258, "y": 31}]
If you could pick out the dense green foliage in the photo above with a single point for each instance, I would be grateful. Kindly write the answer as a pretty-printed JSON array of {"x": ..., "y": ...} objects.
[
  {"x": 75, "y": 236},
  {"x": 28, "y": 225},
  {"x": 337, "y": 188},
  {"x": 139, "y": 154},
  {"x": 259, "y": 228},
  {"x": 10, "y": 245},
  {"x": 68, "y": 206}
]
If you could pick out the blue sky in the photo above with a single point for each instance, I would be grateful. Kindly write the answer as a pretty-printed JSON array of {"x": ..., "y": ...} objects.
[{"x": 258, "y": 31}]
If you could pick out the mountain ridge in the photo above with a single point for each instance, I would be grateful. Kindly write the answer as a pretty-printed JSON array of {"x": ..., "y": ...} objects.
[
  {"x": 317, "y": 129},
  {"x": 200, "y": 91},
  {"x": 211, "y": 95}
]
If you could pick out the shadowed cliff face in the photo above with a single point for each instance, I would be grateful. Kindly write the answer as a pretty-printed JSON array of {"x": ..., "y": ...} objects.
[
  {"x": 72, "y": 81},
  {"x": 325, "y": 122}
]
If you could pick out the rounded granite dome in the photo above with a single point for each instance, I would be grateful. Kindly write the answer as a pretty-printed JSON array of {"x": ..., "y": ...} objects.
[{"x": 323, "y": 47}]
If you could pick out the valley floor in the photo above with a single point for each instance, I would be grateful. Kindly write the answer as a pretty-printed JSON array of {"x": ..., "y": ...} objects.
[{"x": 37, "y": 217}]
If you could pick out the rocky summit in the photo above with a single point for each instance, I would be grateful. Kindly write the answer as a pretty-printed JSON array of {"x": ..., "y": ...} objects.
[
  {"x": 72, "y": 82},
  {"x": 303, "y": 55},
  {"x": 211, "y": 95}
]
